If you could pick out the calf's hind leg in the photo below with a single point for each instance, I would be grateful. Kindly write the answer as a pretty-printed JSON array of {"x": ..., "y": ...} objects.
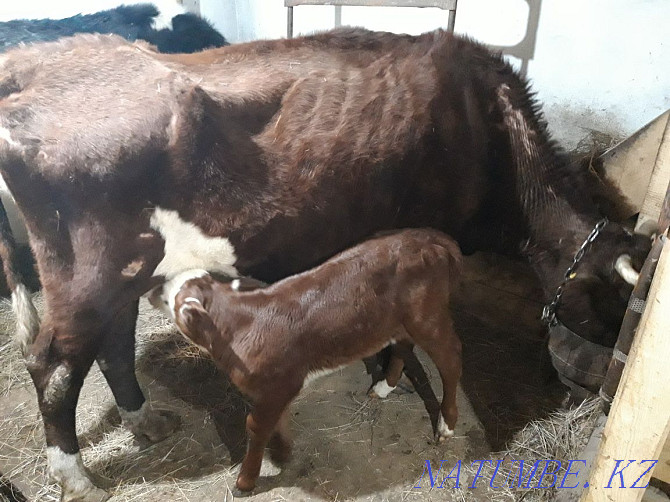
[
  {"x": 393, "y": 372},
  {"x": 445, "y": 352}
]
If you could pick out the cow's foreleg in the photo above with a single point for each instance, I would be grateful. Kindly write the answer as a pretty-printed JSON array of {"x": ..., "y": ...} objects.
[
  {"x": 58, "y": 361},
  {"x": 116, "y": 359}
]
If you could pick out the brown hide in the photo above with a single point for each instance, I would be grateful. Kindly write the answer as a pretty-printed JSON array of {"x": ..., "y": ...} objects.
[{"x": 292, "y": 150}]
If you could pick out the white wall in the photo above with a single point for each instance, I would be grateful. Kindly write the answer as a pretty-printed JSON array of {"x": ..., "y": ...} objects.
[{"x": 599, "y": 65}]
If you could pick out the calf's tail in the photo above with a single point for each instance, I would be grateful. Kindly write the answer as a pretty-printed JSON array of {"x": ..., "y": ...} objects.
[{"x": 27, "y": 319}]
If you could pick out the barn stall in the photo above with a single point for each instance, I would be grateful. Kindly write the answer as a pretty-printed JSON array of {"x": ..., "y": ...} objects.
[{"x": 347, "y": 446}]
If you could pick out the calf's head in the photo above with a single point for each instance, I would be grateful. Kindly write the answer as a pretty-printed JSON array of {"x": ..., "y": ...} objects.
[{"x": 188, "y": 299}]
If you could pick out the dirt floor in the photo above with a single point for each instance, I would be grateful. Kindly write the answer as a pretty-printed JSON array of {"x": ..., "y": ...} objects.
[{"x": 347, "y": 447}]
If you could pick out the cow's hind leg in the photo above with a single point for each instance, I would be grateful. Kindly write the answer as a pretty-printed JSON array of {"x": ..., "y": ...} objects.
[
  {"x": 58, "y": 362},
  {"x": 116, "y": 359}
]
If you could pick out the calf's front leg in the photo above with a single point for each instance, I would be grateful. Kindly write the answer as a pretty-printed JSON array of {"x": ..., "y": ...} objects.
[{"x": 267, "y": 421}]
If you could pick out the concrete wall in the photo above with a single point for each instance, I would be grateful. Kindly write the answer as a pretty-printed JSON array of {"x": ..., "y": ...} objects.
[{"x": 600, "y": 65}]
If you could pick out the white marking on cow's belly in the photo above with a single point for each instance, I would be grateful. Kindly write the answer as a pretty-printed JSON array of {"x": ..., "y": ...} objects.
[
  {"x": 187, "y": 247},
  {"x": 313, "y": 375}
]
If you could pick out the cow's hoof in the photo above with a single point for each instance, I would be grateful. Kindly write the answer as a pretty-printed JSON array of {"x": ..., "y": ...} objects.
[
  {"x": 159, "y": 425},
  {"x": 443, "y": 431},
  {"x": 380, "y": 390},
  {"x": 91, "y": 494},
  {"x": 150, "y": 425}
]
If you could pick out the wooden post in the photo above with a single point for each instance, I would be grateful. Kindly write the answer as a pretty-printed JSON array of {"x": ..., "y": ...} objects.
[{"x": 639, "y": 422}]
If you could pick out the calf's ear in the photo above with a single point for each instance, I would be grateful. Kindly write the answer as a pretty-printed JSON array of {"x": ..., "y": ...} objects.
[
  {"x": 194, "y": 321},
  {"x": 246, "y": 284}
]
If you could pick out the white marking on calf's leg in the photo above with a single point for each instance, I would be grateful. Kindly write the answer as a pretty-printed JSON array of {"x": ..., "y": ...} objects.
[
  {"x": 381, "y": 389},
  {"x": 67, "y": 469},
  {"x": 27, "y": 320},
  {"x": 443, "y": 430},
  {"x": 188, "y": 247}
]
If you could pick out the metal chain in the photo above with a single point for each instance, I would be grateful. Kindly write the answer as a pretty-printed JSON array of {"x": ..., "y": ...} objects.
[{"x": 549, "y": 311}]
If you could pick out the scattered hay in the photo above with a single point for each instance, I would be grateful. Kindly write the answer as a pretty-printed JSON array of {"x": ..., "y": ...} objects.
[
  {"x": 561, "y": 436},
  {"x": 195, "y": 465}
]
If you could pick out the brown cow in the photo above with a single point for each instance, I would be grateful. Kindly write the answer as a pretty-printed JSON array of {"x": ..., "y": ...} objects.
[{"x": 263, "y": 159}]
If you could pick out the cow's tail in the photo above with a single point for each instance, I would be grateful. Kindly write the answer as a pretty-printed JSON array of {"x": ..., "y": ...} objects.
[{"x": 27, "y": 319}]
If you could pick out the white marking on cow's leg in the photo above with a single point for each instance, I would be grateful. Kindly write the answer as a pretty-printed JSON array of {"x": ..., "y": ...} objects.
[
  {"x": 67, "y": 469},
  {"x": 155, "y": 425},
  {"x": 58, "y": 385},
  {"x": 187, "y": 247},
  {"x": 27, "y": 320},
  {"x": 381, "y": 389},
  {"x": 443, "y": 430}
]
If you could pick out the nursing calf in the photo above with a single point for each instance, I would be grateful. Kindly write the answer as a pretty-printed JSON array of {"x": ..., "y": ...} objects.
[{"x": 390, "y": 290}]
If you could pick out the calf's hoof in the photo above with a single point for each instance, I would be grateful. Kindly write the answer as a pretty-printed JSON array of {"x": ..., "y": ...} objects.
[
  {"x": 238, "y": 494},
  {"x": 443, "y": 431},
  {"x": 243, "y": 487},
  {"x": 380, "y": 390},
  {"x": 151, "y": 425}
]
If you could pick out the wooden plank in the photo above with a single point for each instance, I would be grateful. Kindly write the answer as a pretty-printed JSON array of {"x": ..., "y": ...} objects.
[
  {"x": 638, "y": 425},
  {"x": 664, "y": 218},
  {"x": 658, "y": 185},
  {"x": 662, "y": 469},
  {"x": 440, "y": 4},
  {"x": 629, "y": 165}
]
